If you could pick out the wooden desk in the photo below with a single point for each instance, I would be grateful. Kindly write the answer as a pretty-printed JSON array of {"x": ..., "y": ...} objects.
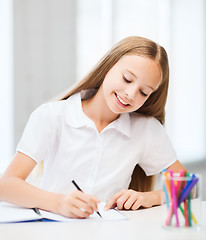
[{"x": 142, "y": 224}]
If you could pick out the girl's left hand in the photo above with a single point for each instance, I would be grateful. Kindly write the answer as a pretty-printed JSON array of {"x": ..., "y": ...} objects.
[{"x": 130, "y": 199}]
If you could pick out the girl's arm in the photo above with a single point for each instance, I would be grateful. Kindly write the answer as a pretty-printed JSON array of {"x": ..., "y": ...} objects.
[
  {"x": 130, "y": 199},
  {"x": 176, "y": 167},
  {"x": 14, "y": 189}
]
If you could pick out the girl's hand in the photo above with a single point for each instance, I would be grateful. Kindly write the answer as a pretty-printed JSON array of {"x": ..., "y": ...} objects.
[
  {"x": 78, "y": 205},
  {"x": 130, "y": 199}
]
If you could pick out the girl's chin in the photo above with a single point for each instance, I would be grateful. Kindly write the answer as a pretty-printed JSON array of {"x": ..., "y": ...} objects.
[{"x": 117, "y": 110}]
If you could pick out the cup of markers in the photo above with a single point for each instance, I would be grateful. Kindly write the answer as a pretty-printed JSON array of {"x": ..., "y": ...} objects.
[{"x": 181, "y": 201}]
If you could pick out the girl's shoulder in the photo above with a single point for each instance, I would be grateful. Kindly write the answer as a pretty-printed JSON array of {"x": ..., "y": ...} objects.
[
  {"x": 139, "y": 120},
  {"x": 147, "y": 127},
  {"x": 49, "y": 109},
  {"x": 56, "y": 114},
  {"x": 143, "y": 118},
  {"x": 56, "y": 108}
]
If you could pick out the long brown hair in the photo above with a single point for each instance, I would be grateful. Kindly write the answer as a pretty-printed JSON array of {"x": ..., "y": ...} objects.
[{"x": 155, "y": 104}]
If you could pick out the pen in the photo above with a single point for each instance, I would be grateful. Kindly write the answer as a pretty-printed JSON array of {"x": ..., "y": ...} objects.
[
  {"x": 36, "y": 210},
  {"x": 75, "y": 184}
]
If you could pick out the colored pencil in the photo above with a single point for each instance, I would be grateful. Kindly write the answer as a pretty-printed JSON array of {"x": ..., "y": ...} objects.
[{"x": 174, "y": 198}]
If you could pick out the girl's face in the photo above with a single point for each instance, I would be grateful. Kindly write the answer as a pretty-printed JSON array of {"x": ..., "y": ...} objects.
[{"x": 130, "y": 82}]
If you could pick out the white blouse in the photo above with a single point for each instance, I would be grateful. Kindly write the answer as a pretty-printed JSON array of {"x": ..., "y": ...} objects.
[{"x": 101, "y": 163}]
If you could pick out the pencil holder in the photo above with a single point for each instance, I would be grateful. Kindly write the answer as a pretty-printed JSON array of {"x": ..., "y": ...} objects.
[{"x": 181, "y": 200}]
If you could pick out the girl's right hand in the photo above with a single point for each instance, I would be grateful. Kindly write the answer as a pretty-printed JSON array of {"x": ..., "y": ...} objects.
[{"x": 78, "y": 205}]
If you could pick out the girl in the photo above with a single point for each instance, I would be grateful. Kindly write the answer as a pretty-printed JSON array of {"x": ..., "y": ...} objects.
[{"x": 101, "y": 129}]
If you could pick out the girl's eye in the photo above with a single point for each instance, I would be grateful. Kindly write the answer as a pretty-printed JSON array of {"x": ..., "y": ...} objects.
[
  {"x": 126, "y": 80},
  {"x": 143, "y": 94}
]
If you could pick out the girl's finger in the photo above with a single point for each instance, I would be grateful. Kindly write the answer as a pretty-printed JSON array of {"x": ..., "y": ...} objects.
[
  {"x": 131, "y": 201},
  {"x": 136, "y": 205},
  {"x": 83, "y": 206},
  {"x": 88, "y": 200},
  {"x": 79, "y": 213},
  {"x": 113, "y": 200},
  {"x": 123, "y": 199}
]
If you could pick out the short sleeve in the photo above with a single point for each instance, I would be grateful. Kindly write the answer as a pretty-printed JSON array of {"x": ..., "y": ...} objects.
[
  {"x": 159, "y": 152},
  {"x": 36, "y": 137}
]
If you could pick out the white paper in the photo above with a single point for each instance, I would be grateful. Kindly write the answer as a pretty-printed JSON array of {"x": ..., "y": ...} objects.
[
  {"x": 13, "y": 213},
  {"x": 110, "y": 215}
]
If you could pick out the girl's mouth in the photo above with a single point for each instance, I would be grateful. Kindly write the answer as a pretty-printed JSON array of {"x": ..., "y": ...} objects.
[{"x": 120, "y": 101}]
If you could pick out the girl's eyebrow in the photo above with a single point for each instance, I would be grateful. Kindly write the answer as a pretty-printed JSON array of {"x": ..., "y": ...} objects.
[
  {"x": 131, "y": 73},
  {"x": 136, "y": 78}
]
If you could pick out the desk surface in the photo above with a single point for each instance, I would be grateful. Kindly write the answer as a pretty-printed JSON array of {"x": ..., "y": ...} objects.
[{"x": 142, "y": 224}]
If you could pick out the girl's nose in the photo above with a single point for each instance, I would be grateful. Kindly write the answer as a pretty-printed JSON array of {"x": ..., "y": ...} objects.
[{"x": 130, "y": 93}]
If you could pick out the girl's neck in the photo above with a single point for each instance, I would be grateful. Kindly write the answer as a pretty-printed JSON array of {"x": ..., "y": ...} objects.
[{"x": 97, "y": 110}]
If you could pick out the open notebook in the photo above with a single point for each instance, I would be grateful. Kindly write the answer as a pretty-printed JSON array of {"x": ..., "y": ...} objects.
[{"x": 10, "y": 213}]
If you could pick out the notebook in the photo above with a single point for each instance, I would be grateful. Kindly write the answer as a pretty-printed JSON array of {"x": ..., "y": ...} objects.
[{"x": 10, "y": 213}]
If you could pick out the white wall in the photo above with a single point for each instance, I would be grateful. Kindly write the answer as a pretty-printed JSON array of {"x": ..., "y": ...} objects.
[
  {"x": 186, "y": 111},
  {"x": 44, "y": 54},
  {"x": 6, "y": 83}
]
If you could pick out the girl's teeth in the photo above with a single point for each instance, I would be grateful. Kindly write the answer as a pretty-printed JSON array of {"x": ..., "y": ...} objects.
[{"x": 121, "y": 100}]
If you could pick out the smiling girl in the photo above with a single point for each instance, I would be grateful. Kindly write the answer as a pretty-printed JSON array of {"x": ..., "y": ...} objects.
[{"x": 96, "y": 134}]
